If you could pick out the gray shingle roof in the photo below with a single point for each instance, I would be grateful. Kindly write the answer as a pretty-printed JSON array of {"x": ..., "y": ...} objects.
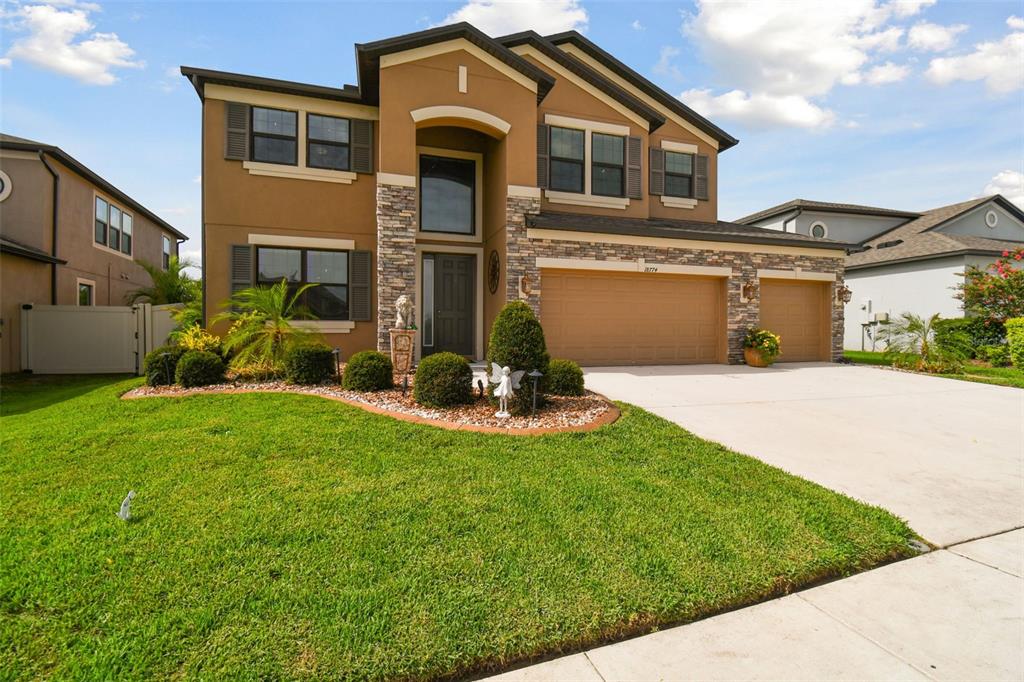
[
  {"x": 917, "y": 239},
  {"x": 677, "y": 229},
  {"x": 827, "y": 206}
]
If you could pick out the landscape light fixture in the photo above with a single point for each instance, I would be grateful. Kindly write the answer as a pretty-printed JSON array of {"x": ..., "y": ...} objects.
[
  {"x": 535, "y": 375},
  {"x": 337, "y": 361}
]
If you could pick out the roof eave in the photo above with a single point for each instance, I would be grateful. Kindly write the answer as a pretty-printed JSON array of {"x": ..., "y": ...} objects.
[
  {"x": 31, "y": 254},
  {"x": 200, "y": 77},
  {"x": 930, "y": 256},
  {"x": 725, "y": 140}
]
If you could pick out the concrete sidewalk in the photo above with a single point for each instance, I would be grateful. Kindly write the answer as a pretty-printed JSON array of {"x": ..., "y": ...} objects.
[{"x": 952, "y": 614}]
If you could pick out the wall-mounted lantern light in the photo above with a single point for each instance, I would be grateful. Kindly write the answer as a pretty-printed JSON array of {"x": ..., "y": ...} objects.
[
  {"x": 749, "y": 290},
  {"x": 843, "y": 294}
]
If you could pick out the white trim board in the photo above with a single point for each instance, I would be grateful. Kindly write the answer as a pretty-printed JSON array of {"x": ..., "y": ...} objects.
[
  {"x": 299, "y": 172},
  {"x": 454, "y": 45},
  {"x": 465, "y": 113},
  {"x": 638, "y": 265},
  {"x": 797, "y": 273},
  {"x": 301, "y": 242}
]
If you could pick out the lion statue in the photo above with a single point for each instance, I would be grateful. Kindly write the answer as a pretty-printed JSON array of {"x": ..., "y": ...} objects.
[{"x": 404, "y": 307}]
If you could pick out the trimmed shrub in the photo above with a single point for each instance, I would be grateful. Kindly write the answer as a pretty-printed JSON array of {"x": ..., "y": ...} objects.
[
  {"x": 997, "y": 356},
  {"x": 564, "y": 378},
  {"x": 443, "y": 380},
  {"x": 160, "y": 371},
  {"x": 368, "y": 370},
  {"x": 517, "y": 342},
  {"x": 1015, "y": 339},
  {"x": 199, "y": 368},
  {"x": 977, "y": 331},
  {"x": 309, "y": 364}
]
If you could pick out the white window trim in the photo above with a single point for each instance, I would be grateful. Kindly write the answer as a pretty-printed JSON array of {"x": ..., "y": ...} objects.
[
  {"x": 6, "y": 192},
  {"x": 478, "y": 198},
  {"x": 92, "y": 227},
  {"x": 80, "y": 281},
  {"x": 816, "y": 223},
  {"x": 678, "y": 202},
  {"x": 587, "y": 197},
  {"x": 302, "y": 242},
  {"x": 680, "y": 148},
  {"x": 301, "y": 170}
]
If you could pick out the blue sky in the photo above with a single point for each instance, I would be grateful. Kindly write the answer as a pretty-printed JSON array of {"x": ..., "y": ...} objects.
[{"x": 909, "y": 104}]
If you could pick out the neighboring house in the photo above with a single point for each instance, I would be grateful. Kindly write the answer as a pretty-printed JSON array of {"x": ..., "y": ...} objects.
[
  {"x": 907, "y": 261},
  {"x": 466, "y": 172},
  {"x": 67, "y": 237}
]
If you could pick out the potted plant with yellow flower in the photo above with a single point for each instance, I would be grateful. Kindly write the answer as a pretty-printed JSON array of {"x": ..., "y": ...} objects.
[{"x": 760, "y": 347}]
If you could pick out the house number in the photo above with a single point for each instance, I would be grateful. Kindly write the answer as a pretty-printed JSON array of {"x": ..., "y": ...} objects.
[{"x": 650, "y": 268}]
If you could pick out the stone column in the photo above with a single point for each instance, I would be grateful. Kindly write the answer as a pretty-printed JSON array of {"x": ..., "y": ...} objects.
[
  {"x": 520, "y": 255},
  {"x": 838, "y": 317},
  {"x": 740, "y": 314},
  {"x": 396, "y": 255}
]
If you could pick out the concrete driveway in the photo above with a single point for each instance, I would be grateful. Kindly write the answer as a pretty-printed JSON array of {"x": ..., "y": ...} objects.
[{"x": 946, "y": 455}]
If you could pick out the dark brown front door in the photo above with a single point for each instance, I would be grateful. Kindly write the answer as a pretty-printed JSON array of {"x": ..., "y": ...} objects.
[{"x": 453, "y": 297}]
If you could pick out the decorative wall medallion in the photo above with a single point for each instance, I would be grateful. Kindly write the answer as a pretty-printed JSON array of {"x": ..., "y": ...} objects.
[
  {"x": 493, "y": 272},
  {"x": 991, "y": 218}
]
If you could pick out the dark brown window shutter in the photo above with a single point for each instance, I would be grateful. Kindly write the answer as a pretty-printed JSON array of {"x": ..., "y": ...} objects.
[
  {"x": 362, "y": 146},
  {"x": 700, "y": 176},
  {"x": 236, "y": 135},
  {"x": 656, "y": 183},
  {"x": 360, "y": 281},
  {"x": 633, "y": 177},
  {"x": 241, "y": 267},
  {"x": 543, "y": 153}
]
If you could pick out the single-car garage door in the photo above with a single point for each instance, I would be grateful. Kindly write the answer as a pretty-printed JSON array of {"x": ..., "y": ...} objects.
[
  {"x": 798, "y": 312},
  {"x": 626, "y": 318}
]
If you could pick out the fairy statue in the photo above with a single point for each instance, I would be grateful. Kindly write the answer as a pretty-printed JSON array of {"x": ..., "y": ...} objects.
[{"x": 508, "y": 384}]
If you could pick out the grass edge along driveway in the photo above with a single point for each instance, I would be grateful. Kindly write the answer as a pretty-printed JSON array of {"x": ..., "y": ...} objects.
[
  {"x": 290, "y": 536},
  {"x": 977, "y": 373}
]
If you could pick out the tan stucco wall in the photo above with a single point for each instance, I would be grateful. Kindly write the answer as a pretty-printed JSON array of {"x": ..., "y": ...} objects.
[
  {"x": 21, "y": 281},
  {"x": 239, "y": 204},
  {"x": 433, "y": 81},
  {"x": 706, "y": 211},
  {"x": 26, "y": 215}
]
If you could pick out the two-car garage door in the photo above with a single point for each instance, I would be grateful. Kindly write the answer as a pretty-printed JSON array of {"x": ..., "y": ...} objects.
[{"x": 629, "y": 318}]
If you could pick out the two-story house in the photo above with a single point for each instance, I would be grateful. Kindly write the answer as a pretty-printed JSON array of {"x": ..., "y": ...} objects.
[
  {"x": 465, "y": 172},
  {"x": 905, "y": 261},
  {"x": 68, "y": 237}
]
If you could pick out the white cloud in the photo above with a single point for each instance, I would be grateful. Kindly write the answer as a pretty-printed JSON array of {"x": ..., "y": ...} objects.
[
  {"x": 500, "y": 17},
  {"x": 930, "y": 37},
  {"x": 5, "y": 63},
  {"x": 60, "y": 38},
  {"x": 637, "y": 26},
  {"x": 887, "y": 73},
  {"x": 664, "y": 66},
  {"x": 760, "y": 110},
  {"x": 1016, "y": 23},
  {"x": 788, "y": 54},
  {"x": 996, "y": 63},
  {"x": 1009, "y": 183}
]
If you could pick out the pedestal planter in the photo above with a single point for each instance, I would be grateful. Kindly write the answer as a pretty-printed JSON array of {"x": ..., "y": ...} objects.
[
  {"x": 755, "y": 358},
  {"x": 402, "y": 344}
]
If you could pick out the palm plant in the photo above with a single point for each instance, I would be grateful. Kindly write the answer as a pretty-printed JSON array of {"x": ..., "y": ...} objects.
[
  {"x": 261, "y": 329},
  {"x": 172, "y": 285},
  {"x": 911, "y": 342}
]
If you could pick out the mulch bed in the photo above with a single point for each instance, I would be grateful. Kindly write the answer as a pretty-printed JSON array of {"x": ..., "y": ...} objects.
[{"x": 561, "y": 413}]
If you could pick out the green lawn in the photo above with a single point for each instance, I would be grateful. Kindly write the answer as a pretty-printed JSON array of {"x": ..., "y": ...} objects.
[
  {"x": 290, "y": 536},
  {"x": 1000, "y": 376}
]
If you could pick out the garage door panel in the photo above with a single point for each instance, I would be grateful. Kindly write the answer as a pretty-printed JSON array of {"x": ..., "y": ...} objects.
[
  {"x": 601, "y": 318},
  {"x": 796, "y": 311}
]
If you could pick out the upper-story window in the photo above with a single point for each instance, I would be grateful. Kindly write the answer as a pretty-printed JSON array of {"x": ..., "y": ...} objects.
[
  {"x": 567, "y": 158},
  {"x": 328, "y": 270},
  {"x": 447, "y": 195},
  {"x": 678, "y": 174},
  {"x": 274, "y": 136},
  {"x": 165, "y": 251},
  {"x": 112, "y": 227},
  {"x": 328, "y": 142},
  {"x": 607, "y": 165}
]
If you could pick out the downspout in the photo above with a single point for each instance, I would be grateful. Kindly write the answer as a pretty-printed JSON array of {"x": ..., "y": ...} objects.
[{"x": 54, "y": 218}]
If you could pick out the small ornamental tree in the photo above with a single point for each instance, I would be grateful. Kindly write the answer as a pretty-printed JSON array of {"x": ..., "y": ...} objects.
[
  {"x": 517, "y": 342},
  {"x": 995, "y": 293}
]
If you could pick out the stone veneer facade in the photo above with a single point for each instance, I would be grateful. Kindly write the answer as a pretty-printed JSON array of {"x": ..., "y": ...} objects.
[
  {"x": 396, "y": 254},
  {"x": 739, "y": 315}
]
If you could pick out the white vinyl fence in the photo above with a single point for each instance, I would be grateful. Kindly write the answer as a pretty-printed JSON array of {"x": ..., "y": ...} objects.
[{"x": 70, "y": 339}]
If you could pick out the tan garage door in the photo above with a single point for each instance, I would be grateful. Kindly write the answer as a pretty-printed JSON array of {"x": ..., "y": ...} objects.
[
  {"x": 605, "y": 318},
  {"x": 798, "y": 312}
]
